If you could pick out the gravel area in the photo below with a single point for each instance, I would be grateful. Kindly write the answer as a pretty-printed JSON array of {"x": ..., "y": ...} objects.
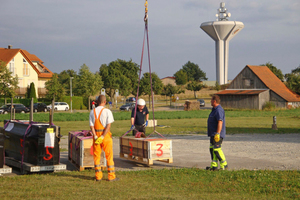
[{"x": 242, "y": 151}]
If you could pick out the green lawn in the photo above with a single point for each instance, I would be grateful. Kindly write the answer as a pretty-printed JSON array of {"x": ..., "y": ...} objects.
[
  {"x": 165, "y": 184},
  {"x": 183, "y": 122},
  {"x": 197, "y": 126},
  {"x": 155, "y": 184}
]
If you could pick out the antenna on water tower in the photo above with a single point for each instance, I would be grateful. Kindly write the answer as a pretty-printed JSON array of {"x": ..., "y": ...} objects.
[{"x": 222, "y": 31}]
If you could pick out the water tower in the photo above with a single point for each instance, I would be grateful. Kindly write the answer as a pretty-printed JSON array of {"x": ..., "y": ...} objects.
[{"x": 222, "y": 31}]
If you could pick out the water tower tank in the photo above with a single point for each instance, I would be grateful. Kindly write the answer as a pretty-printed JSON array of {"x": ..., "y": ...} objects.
[{"x": 222, "y": 31}]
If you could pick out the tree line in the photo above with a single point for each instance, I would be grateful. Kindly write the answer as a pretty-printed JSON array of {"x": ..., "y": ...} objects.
[{"x": 124, "y": 76}]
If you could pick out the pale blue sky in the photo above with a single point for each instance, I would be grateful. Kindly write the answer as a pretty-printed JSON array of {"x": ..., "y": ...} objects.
[{"x": 67, "y": 33}]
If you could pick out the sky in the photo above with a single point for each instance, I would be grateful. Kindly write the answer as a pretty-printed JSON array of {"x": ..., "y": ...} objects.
[{"x": 66, "y": 34}]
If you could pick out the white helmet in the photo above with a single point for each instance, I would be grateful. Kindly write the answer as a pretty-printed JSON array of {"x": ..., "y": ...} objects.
[{"x": 141, "y": 102}]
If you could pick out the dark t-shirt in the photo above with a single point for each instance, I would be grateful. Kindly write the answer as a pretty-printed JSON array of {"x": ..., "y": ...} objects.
[
  {"x": 217, "y": 114},
  {"x": 140, "y": 116}
]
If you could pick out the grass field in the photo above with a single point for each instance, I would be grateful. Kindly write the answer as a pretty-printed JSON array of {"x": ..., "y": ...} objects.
[
  {"x": 234, "y": 125},
  {"x": 155, "y": 184},
  {"x": 183, "y": 122},
  {"x": 165, "y": 184}
]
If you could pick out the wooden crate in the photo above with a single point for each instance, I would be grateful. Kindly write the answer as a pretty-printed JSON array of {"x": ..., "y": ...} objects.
[
  {"x": 146, "y": 150},
  {"x": 81, "y": 151}
]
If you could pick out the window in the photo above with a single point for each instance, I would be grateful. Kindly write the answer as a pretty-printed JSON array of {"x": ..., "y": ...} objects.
[
  {"x": 12, "y": 66},
  {"x": 248, "y": 82},
  {"x": 25, "y": 68}
]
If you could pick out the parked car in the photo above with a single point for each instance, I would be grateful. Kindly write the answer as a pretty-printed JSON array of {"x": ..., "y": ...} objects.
[
  {"x": 127, "y": 106},
  {"x": 202, "y": 102},
  {"x": 59, "y": 106},
  {"x": 19, "y": 108},
  {"x": 39, "y": 107},
  {"x": 130, "y": 100}
]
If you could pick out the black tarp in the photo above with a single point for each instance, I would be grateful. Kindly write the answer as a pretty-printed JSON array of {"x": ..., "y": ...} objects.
[{"x": 32, "y": 146}]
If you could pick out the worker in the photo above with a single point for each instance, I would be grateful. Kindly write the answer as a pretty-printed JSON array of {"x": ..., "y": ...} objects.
[
  {"x": 138, "y": 123},
  {"x": 216, "y": 131},
  {"x": 100, "y": 124}
]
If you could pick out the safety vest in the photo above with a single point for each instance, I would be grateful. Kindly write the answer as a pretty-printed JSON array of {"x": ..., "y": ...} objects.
[{"x": 99, "y": 128}]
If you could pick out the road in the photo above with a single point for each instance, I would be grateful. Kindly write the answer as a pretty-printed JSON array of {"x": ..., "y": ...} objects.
[{"x": 242, "y": 151}]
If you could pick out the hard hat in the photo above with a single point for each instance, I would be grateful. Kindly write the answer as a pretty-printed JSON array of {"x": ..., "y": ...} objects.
[{"x": 141, "y": 102}]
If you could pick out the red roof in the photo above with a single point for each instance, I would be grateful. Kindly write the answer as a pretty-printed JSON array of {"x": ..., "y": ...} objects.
[
  {"x": 240, "y": 92},
  {"x": 274, "y": 83},
  {"x": 171, "y": 77},
  {"x": 7, "y": 55}
]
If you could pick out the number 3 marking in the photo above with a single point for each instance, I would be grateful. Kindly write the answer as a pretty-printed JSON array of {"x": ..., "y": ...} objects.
[{"x": 159, "y": 149}]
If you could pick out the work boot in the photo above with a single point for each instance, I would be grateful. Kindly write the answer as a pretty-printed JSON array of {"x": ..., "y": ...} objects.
[
  {"x": 212, "y": 168},
  {"x": 115, "y": 179},
  {"x": 224, "y": 168}
]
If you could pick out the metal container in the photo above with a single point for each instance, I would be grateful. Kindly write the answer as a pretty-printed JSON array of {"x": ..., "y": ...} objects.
[{"x": 26, "y": 140}]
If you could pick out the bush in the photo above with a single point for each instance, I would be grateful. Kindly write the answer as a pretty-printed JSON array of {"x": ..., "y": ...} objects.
[
  {"x": 269, "y": 106},
  {"x": 77, "y": 102}
]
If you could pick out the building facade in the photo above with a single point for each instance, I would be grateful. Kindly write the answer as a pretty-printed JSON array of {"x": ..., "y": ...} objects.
[
  {"x": 28, "y": 68},
  {"x": 254, "y": 86}
]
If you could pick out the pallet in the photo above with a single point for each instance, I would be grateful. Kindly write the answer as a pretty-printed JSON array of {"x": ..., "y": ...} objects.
[
  {"x": 82, "y": 168},
  {"x": 144, "y": 160},
  {"x": 27, "y": 167},
  {"x": 146, "y": 151},
  {"x": 5, "y": 170},
  {"x": 81, "y": 153}
]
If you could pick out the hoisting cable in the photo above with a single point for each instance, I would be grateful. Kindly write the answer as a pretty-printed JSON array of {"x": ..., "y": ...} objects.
[{"x": 145, "y": 33}]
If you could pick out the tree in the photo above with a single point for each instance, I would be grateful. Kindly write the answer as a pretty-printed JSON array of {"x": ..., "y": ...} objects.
[
  {"x": 170, "y": 90},
  {"x": 145, "y": 85},
  {"x": 296, "y": 71},
  {"x": 274, "y": 69},
  {"x": 88, "y": 83},
  {"x": 8, "y": 83},
  {"x": 293, "y": 80},
  {"x": 130, "y": 70},
  {"x": 119, "y": 74},
  {"x": 32, "y": 93},
  {"x": 194, "y": 86},
  {"x": 181, "y": 77},
  {"x": 64, "y": 79},
  {"x": 193, "y": 72},
  {"x": 217, "y": 86},
  {"x": 54, "y": 88}
]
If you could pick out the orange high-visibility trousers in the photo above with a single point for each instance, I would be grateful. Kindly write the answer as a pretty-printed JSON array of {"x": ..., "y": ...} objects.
[{"x": 107, "y": 146}]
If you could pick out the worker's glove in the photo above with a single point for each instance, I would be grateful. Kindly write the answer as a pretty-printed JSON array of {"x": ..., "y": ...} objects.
[
  {"x": 132, "y": 127},
  {"x": 99, "y": 140},
  {"x": 217, "y": 137},
  {"x": 145, "y": 124}
]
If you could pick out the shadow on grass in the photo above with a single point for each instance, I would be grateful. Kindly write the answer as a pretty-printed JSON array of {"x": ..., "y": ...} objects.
[{"x": 74, "y": 175}]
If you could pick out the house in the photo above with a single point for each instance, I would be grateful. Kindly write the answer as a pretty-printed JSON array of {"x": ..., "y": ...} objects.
[
  {"x": 168, "y": 80},
  {"x": 28, "y": 67},
  {"x": 254, "y": 86}
]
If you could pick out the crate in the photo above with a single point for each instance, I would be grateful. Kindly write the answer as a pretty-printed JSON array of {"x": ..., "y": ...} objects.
[
  {"x": 146, "y": 150},
  {"x": 81, "y": 153}
]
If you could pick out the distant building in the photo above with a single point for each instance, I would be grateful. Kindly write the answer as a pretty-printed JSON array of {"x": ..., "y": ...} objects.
[
  {"x": 256, "y": 85},
  {"x": 168, "y": 80},
  {"x": 28, "y": 67}
]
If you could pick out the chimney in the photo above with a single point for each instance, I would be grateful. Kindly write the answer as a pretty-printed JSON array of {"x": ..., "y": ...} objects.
[{"x": 9, "y": 46}]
